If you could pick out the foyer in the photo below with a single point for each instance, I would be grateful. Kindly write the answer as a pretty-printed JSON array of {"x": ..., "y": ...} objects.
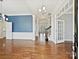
[{"x": 37, "y": 29}]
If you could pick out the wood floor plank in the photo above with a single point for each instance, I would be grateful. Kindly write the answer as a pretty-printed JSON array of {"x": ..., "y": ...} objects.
[{"x": 25, "y": 49}]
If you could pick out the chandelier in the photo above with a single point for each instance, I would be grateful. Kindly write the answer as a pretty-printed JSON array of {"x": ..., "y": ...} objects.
[{"x": 43, "y": 10}]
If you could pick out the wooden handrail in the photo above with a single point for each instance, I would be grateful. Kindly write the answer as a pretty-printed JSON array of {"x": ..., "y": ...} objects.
[{"x": 48, "y": 28}]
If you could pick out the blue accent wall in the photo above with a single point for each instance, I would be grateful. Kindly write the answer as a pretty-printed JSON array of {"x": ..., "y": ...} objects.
[{"x": 21, "y": 23}]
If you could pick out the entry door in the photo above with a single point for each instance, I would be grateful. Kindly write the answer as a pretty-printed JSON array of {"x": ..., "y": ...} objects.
[{"x": 59, "y": 31}]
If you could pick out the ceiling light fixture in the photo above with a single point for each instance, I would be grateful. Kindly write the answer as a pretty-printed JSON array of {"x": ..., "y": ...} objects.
[{"x": 43, "y": 9}]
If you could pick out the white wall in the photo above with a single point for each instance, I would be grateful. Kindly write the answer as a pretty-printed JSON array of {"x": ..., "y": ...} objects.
[
  {"x": 2, "y": 29},
  {"x": 0, "y": 7},
  {"x": 68, "y": 35}
]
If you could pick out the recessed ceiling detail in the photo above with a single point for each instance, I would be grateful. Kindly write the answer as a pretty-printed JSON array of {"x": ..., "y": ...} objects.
[{"x": 31, "y": 6}]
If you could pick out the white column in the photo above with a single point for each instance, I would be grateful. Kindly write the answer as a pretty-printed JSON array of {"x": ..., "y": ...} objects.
[
  {"x": 8, "y": 30},
  {"x": 1, "y": 29},
  {"x": 33, "y": 27}
]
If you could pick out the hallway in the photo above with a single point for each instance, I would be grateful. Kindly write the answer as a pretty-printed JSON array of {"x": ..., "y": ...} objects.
[{"x": 28, "y": 49}]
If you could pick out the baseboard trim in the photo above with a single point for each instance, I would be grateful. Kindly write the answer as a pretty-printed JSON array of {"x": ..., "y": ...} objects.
[
  {"x": 65, "y": 42},
  {"x": 21, "y": 39},
  {"x": 2, "y": 37}
]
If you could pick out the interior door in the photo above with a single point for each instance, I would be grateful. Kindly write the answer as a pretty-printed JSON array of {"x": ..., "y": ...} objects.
[{"x": 59, "y": 31}]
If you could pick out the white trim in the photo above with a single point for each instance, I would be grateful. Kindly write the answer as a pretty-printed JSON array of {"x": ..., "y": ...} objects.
[
  {"x": 65, "y": 40},
  {"x": 59, "y": 42},
  {"x": 1, "y": 37},
  {"x": 23, "y": 35},
  {"x": 73, "y": 18},
  {"x": 33, "y": 27},
  {"x": 65, "y": 12},
  {"x": 55, "y": 29},
  {"x": 73, "y": 24},
  {"x": 17, "y": 14},
  {"x": 69, "y": 40},
  {"x": 61, "y": 6}
]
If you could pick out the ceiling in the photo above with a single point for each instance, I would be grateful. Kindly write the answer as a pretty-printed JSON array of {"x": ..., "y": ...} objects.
[{"x": 29, "y": 6}]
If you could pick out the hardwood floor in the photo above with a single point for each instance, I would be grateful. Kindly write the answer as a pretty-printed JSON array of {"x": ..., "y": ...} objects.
[{"x": 27, "y": 49}]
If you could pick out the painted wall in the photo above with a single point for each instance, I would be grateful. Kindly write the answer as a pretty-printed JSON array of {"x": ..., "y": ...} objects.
[
  {"x": 68, "y": 36},
  {"x": 0, "y": 7},
  {"x": 2, "y": 29},
  {"x": 25, "y": 35},
  {"x": 21, "y": 23}
]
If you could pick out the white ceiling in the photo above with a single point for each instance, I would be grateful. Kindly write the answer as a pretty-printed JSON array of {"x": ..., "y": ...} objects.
[{"x": 29, "y": 6}]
